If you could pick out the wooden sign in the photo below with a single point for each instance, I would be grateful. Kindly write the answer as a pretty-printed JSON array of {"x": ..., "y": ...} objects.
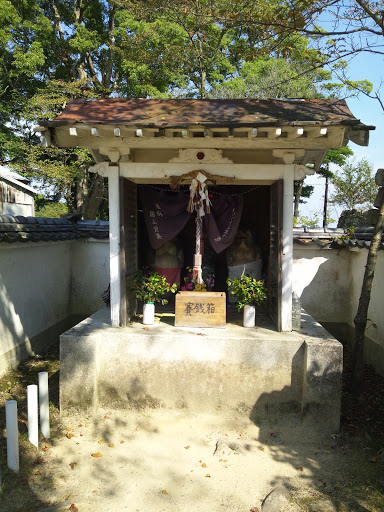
[{"x": 200, "y": 309}]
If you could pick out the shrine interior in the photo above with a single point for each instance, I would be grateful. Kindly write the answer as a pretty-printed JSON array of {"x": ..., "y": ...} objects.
[{"x": 251, "y": 246}]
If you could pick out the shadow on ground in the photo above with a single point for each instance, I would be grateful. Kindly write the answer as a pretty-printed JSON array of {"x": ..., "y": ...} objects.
[
  {"x": 344, "y": 470},
  {"x": 17, "y": 490}
]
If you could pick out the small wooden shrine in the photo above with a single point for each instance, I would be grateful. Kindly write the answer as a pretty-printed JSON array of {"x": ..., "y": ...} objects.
[{"x": 230, "y": 164}]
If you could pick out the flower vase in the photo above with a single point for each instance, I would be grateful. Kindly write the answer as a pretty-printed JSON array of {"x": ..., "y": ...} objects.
[
  {"x": 249, "y": 315},
  {"x": 149, "y": 313}
]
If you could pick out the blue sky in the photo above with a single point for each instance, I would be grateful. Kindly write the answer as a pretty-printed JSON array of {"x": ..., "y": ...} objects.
[{"x": 370, "y": 67}]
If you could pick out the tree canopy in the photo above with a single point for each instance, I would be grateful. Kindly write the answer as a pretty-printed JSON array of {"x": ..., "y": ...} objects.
[
  {"x": 340, "y": 30},
  {"x": 354, "y": 185},
  {"x": 55, "y": 50}
]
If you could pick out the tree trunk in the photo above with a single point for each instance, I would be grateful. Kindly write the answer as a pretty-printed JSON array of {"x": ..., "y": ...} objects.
[
  {"x": 297, "y": 195},
  {"x": 95, "y": 196},
  {"x": 360, "y": 320},
  {"x": 81, "y": 193},
  {"x": 89, "y": 194},
  {"x": 203, "y": 84},
  {"x": 325, "y": 203}
]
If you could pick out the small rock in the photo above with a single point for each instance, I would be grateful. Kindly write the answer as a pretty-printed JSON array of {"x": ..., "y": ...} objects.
[
  {"x": 322, "y": 506},
  {"x": 235, "y": 447},
  {"x": 277, "y": 500},
  {"x": 276, "y": 438},
  {"x": 226, "y": 446},
  {"x": 220, "y": 447}
]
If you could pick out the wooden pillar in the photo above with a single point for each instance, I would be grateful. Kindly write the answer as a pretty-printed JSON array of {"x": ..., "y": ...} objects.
[
  {"x": 114, "y": 243},
  {"x": 128, "y": 247},
  {"x": 275, "y": 252},
  {"x": 123, "y": 267},
  {"x": 287, "y": 255}
]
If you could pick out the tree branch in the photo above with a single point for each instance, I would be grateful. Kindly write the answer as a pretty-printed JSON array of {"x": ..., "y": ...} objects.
[
  {"x": 91, "y": 68},
  {"x": 372, "y": 14},
  {"x": 111, "y": 40},
  {"x": 59, "y": 29}
]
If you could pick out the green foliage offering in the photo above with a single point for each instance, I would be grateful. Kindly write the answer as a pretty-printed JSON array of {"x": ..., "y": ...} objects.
[
  {"x": 355, "y": 185},
  {"x": 149, "y": 286},
  {"x": 248, "y": 291}
]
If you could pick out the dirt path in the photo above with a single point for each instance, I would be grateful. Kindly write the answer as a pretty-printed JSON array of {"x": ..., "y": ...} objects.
[
  {"x": 160, "y": 459},
  {"x": 174, "y": 462}
]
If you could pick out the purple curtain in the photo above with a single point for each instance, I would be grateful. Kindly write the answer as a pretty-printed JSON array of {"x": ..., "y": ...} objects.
[
  {"x": 223, "y": 221},
  {"x": 165, "y": 215}
]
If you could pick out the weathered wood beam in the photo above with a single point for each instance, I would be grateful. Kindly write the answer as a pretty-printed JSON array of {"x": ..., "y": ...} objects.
[
  {"x": 238, "y": 138},
  {"x": 295, "y": 132}
]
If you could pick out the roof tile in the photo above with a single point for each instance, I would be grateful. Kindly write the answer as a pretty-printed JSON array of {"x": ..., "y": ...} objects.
[
  {"x": 175, "y": 113},
  {"x": 39, "y": 229}
]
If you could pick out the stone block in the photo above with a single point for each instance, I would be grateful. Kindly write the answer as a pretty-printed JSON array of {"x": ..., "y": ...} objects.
[
  {"x": 379, "y": 198},
  {"x": 323, "y": 367},
  {"x": 379, "y": 177}
]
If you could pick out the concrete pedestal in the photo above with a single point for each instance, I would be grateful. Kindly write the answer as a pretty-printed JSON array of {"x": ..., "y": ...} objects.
[{"x": 260, "y": 373}]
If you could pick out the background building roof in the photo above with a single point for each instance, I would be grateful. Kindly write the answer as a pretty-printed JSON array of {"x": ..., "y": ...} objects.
[{"x": 10, "y": 177}]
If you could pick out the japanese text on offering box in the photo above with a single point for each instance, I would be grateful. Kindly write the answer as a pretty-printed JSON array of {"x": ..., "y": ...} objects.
[{"x": 200, "y": 309}]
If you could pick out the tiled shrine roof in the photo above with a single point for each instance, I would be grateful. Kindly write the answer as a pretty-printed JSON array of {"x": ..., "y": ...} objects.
[
  {"x": 335, "y": 237},
  {"x": 38, "y": 229},
  {"x": 168, "y": 113}
]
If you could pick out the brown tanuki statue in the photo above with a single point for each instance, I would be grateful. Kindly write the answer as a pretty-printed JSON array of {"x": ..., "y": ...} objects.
[
  {"x": 243, "y": 257},
  {"x": 168, "y": 261}
]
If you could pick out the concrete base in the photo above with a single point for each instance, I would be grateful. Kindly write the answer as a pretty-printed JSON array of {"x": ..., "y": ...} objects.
[{"x": 260, "y": 373}]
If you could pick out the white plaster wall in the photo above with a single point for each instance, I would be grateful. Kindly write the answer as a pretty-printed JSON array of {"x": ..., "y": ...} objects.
[
  {"x": 34, "y": 293},
  {"x": 358, "y": 261},
  {"x": 26, "y": 210},
  {"x": 90, "y": 275},
  {"x": 321, "y": 279},
  {"x": 42, "y": 284},
  {"x": 374, "y": 341},
  {"x": 329, "y": 282}
]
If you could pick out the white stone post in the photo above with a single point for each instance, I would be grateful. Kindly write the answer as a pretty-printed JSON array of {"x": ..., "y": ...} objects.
[
  {"x": 33, "y": 415},
  {"x": 44, "y": 404},
  {"x": 114, "y": 243},
  {"x": 12, "y": 435},
  {"x": 287, "y": 256}
]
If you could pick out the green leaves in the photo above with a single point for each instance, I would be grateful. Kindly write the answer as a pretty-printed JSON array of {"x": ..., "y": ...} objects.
[
  {"x": 84, "y": 40},
  {"x": 149, "y": 286},
  {"x": 28, "y": 62},
  {"x": 355, "y": 185},
  {"x": 248, "y": 291},
  {"x": 289, "y": 70}
]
